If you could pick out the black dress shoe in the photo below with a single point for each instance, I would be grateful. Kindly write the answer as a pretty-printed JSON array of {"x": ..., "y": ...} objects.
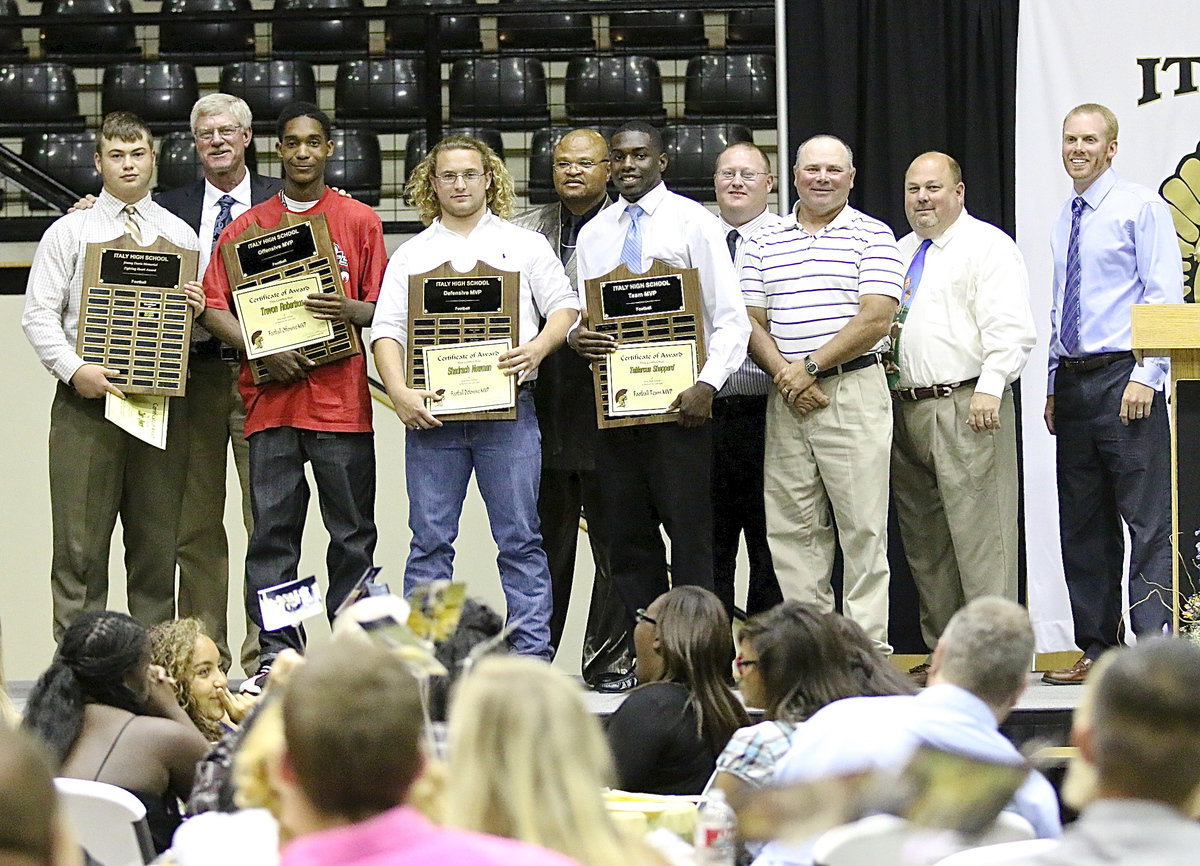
[
  {"x": 1075, "y": 675},
  {"x": 615, "y": 682}
]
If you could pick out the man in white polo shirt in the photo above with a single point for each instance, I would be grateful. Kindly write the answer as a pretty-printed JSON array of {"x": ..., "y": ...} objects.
[{"x": 821, "y": 292}]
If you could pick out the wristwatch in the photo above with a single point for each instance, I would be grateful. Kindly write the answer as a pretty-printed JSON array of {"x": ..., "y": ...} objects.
[{"x": 810, "y": 366}]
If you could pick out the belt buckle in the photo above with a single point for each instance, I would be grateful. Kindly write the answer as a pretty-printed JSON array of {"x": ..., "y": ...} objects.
[{"x": 941, "y": 391}]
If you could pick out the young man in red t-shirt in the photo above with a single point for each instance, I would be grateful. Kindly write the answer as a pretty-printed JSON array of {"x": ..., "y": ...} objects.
[{"x": 305, "y": 413}]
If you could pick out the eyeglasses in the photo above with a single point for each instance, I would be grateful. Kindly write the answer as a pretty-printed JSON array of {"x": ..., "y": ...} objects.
[
  {"x": 224, "y": 131},
  {"x": 450, "y": 178},
  {"x": 741, "y": 664},
  {"x": 745, "y": 174},
  {"x": 641, "y": 616},
  {"x": 581, "y": 164}
]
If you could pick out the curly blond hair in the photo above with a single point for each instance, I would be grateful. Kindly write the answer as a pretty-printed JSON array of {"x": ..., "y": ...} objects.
[
  {"x": 172, "y": 645},
  {"x": 421, "y": 194}
]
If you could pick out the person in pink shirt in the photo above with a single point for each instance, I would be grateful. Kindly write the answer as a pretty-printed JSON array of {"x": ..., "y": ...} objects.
[{"x": 352, "y": 723}]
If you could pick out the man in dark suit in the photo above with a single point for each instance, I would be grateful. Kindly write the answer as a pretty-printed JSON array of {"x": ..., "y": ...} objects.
[
  {"x": 567, "y": 417},
  {"x": 221, "y": 125}
]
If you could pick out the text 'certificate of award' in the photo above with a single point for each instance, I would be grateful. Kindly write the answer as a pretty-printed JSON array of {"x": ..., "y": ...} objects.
[
  {"x": 468, "y": 378},
  {"x": 645, "y": 378},
  {"x": 274, "y": 319}
]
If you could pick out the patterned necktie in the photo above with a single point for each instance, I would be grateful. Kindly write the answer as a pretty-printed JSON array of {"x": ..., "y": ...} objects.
[
  {"x": 631, "y": 250},
  {"x": 132, "y": 228},
  {"x": 1068, "y": 324},
  {"x": 224, "y": 218},
  {"x": 912, "y": 280},
  {"x": 731, "y": 239}
]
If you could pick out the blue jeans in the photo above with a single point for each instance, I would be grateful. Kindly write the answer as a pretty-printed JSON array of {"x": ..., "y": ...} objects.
[
  {"x": 343, "y": 466},
  {"x": 506, "y": 459}
]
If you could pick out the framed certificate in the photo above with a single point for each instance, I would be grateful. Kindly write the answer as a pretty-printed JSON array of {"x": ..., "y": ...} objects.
[
  {"x": 451, "y": 316},
  {"x": 134, "y": 316},
  {"x": 468, "y": 377},
  {"x": 656, "y": 319},
  {"x": 273, "y": 317},
  {"x": 298, "y": 247}
]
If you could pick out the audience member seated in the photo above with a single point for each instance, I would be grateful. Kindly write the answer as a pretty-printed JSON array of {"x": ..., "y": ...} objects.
[
  {"x": 107, "y": 714},
  {"x": 1142, "y": 736},
  {"x": 191, "y": 659},
  {"x": 528, "y": 761},
  {"x": 667, "y": 733},
  {"x": 792, "y": 661},
  {"x": 31, "y": 830},
  {"x": 353, "y": 721},
  {"x": 977, "y": 672},
  {"x": 876, "y": 676}
]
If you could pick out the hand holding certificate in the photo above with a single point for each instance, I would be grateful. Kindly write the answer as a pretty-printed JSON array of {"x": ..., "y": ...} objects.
[
  {"x": 273, "y": 317},
  {"x": 468, "y": 377}
]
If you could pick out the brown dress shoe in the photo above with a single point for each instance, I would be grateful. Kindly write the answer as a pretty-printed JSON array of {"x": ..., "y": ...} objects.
[
  {"x": 1076, "y": 674},
  {"x": 919, "y": 674}
]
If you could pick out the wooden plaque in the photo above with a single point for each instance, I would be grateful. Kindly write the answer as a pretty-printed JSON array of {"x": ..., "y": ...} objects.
[
  {"x": 134, "y": 316},
  {"x": 660, "y": 306},
  {"x": 447, "y": 307},
  {"x": 299, "y": 245}
]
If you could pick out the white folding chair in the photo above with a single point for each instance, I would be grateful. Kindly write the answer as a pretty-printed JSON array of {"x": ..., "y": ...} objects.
[
  {"x": 993, "y": 855},
  {"x": 887, "y": 839},
  {"x": 109, "y": 822}
]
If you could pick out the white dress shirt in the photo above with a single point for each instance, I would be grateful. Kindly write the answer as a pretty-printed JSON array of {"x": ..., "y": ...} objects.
[
  {"x": 545, "y": 288},
  {"x": 54, "y": 293},
  {"x": 970, "y": 315},
  {"x": 210, "y": 210},
  {"x": 684, "y": 234}
]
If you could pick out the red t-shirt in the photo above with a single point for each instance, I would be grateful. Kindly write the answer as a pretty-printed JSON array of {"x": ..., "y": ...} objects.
[{"x": 333, "y": 397}]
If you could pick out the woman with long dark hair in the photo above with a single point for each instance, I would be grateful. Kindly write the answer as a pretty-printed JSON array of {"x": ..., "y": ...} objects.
[
  {"x": 107, "y": 714},
  {"x": 667, "y": 733}
]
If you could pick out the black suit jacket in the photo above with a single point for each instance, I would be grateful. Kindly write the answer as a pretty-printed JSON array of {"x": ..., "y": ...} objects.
[{"x": 187, "y": 201}]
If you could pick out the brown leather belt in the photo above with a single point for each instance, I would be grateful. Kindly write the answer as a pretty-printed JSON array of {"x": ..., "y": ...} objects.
[
  {"x": 855, "y": 364},
  {"x": 930, "y": 392},
  {"x": 1092, "y": 362}
]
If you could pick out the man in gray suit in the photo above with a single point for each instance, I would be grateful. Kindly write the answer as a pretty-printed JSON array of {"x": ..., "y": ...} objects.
[
  {"x": 567, "y": 417},
  {"x": 221, "y": 125}
]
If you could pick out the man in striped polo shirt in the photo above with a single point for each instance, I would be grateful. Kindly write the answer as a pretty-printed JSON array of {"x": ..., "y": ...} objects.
[{"x": 821, "y": 291}]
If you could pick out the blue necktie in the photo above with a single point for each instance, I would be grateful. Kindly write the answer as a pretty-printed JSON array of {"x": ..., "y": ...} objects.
[
  {"x": 224, "y": 218},
  {"x": 631, "y": 250},
  {"x": 1068, "y": 323},
  {"x": 912, "y": 280}
]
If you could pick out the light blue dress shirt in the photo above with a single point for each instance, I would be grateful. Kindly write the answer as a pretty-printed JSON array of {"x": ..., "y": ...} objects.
[
  {"x": 858, "y": 734},
  {"x": 1128, "y": 255}
]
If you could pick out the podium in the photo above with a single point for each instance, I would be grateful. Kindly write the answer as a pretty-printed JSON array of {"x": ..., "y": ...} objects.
[{"x": 1173, "y": 331}]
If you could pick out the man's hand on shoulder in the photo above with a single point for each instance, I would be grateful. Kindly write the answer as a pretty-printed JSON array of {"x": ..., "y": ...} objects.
[
  {"x": 1136, "y": 402},
  {"x": 85, "y": 203},
  {"x": 91, "y": 381},
  {"x": 694, "y": 404},
  {"x": 287, "y": 367}
]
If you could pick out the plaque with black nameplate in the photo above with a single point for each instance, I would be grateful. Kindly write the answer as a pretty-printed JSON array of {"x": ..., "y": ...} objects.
[
  {"x": 298, "y": 246},
  {"x": 448, "y": 310},
  {"x": 134, "y": 317},
  {"x": 656, "y": 320}
]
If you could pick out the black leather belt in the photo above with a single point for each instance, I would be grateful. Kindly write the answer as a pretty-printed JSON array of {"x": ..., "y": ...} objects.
[
  {"x": 930, "y": 392},
  {"x": 855, "y": 364},
  {"x": 214, "y": 348},
  {"x": 1092, "y": 362}
]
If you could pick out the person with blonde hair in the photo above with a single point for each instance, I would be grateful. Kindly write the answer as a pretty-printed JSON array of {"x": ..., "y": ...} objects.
[
  {"x": 528, "y": 761},
  {"x": 464, "y": 193}
]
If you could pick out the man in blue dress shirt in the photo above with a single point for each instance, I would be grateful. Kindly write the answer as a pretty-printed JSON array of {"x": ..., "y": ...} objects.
[{"x": 1114, "y": 246}]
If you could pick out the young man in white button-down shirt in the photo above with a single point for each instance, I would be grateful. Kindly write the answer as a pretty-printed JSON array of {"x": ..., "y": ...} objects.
[{"x": 465, "y": 193}]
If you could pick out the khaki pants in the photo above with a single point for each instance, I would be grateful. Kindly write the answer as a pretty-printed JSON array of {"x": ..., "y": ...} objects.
[
  {"x": 956, "y": 503},
  {"x": 835, "y": 460}
]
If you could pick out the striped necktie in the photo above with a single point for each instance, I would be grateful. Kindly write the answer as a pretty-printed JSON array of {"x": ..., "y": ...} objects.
[
  {"x": 1069, "y": 322},
  {"x": 132, "y": 228},
  {"x": 631, "y": 250}
]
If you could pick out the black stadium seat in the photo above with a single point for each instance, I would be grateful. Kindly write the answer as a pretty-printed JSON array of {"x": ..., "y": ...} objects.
[
  {"x": 692, "y": 150},
  {"x": 159, "y": 92},
  {"x": 418, "y": 146},
  {"x": 547, "y": 33},
  {"x": 606, "y": 89},
  {"x": 221, "y": 42},
  {"x": 499, "y": 92},
  {"x": 661, "y": 34},
  {"x": 385, "y": 94},
  {"x": 65, "y": 156},
  {"x": 268, "y": 86},
  {"x": 405, "y": 34},
  {"x": 38, "y": 97},
  {"x": 97, "y": 43},
  {"x": 541, "y": 160},
  {"x": 11, "y": 45},
  {"x": 738, "y": 88},
  {"x": 327, "y": 40},
  {"x": 356, "y": 164},
  {"x": 751, "y": 28},
  {"x": 178, "y": 163}
]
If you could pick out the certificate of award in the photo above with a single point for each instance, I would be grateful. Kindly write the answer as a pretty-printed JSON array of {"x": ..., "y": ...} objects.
[
  {"x": 645, "y": 378},
  {"x": 468, "y": 377},
  {"x": 274, "y": 319},
  {"x": 143, "y": 416}
]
